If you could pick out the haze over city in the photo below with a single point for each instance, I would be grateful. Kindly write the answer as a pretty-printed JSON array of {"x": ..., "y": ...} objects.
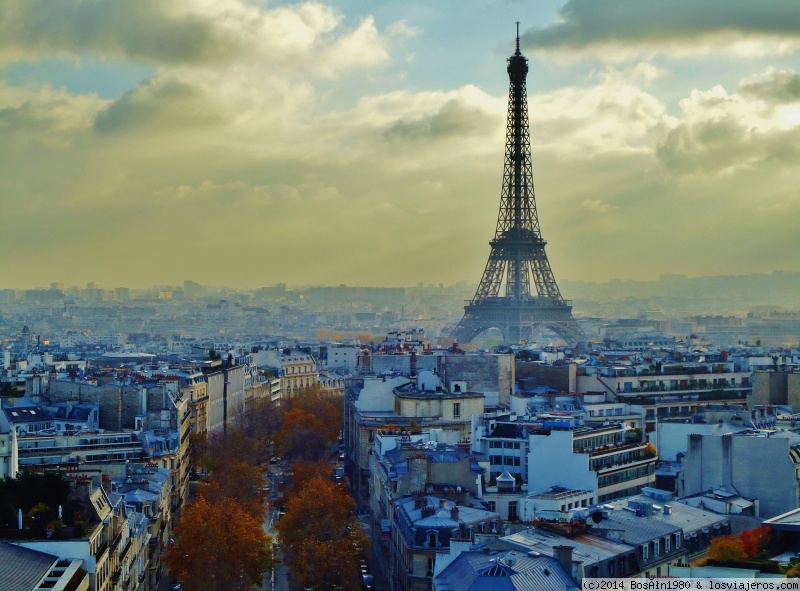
[{"x": 246, "y": 143}]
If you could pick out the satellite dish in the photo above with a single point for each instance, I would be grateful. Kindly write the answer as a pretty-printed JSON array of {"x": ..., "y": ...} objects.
[{"x": 597, "y": 517}]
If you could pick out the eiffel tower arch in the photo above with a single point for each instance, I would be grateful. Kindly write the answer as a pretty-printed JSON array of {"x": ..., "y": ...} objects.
[{"x": 518, "y": 294}]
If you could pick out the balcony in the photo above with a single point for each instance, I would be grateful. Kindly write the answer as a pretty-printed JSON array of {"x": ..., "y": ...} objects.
[{"x": 612, "y": 449}]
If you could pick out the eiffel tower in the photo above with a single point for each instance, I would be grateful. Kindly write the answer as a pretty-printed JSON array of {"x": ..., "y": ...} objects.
[{"x": 518, "y": 247}]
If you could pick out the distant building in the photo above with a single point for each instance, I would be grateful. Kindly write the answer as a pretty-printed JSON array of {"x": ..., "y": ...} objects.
[
  {"x": 776, "y": 388},
  {"x": 296, "y": 369}
]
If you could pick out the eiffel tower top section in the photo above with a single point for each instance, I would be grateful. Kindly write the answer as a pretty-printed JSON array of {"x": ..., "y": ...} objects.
[{"x": 518, "y": 203}]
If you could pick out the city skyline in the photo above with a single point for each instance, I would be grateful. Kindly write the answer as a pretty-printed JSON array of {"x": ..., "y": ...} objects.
[{"x": 240, "y": 143}]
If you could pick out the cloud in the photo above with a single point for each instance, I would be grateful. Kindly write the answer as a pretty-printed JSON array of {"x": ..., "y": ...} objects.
[
  {"x": 402, "y": 29},
  {"x": 45, "y": 116},
  {"x": 187, "y": 32},
  {"x": 598, "y": 206},
  {"x": 722, "y": 132},
  {"x": 612, "y": 114},
  {"x": 161, "y": 105},
  {"x": 776, "y": 86},
  {"x": 629, "y": 27}
]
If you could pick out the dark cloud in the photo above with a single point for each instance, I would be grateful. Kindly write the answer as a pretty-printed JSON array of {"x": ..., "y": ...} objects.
[
  {"x": 451, "y": 120},
  {"x": 633, "y": 22},
  {"x": 142, "y": 30},
  {"x": 777, "y": 86},
  {"x": 159, "y": 105}
]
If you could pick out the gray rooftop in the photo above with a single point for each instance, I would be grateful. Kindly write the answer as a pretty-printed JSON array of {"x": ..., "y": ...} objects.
[
  {"x": 22, "y": 568},
  {"x": 510, "y": 570},
  {"x": 640, "y": 529},
  {"x": 588, "y": 549},
  {"x": 442, "y": 517}
]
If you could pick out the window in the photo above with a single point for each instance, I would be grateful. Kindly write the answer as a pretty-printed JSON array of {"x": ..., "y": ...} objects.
[
  {"x": 512, "y": 511},
  {"x": 655, "y": 548},
  {"x": 492, "y": 506},
  {"x": 666, "y": 544},
  {"x": 432, "y": 537},
  {"x": 457, "y": 410},
  {"x": 677, "y": 540},
  {"x": 645, "y": 553},
  {"x": 430, "y": 566}
]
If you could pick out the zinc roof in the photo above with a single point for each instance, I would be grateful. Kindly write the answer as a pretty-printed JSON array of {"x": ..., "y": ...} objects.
[{"x": 22, "y": 568}]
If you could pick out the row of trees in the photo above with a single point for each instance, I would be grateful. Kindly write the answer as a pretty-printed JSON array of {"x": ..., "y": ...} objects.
[
  {"x": 220, "y": 541},
  {"x": 321, "y": 537},
  {"x": 319, "y": 533}
]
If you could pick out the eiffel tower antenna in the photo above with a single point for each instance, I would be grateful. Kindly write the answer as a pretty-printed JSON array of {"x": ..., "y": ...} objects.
[{"x": 505, "y": 299}]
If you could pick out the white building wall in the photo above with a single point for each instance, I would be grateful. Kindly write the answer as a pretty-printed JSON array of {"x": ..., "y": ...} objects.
[
  {"x": 753, "y": 467},
  {"x": 551, "y": 462},
  {"x": 344, "y": 357},
  {"x": 377, "y": 394}
]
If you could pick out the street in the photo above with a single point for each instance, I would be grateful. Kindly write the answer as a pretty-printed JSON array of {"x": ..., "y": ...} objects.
[{"x": 276, "y": 580}]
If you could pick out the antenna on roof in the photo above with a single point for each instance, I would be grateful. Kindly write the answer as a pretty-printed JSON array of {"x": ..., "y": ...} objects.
[{"x": 517, "y": 38}]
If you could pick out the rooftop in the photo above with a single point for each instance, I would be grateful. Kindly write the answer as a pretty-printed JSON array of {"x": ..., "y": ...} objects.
[
  {"x": 507, "y": 570},
  {"x": 23, "y": 568}
]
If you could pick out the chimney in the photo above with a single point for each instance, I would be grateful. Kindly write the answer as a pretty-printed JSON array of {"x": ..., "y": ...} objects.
[
  {"x": 454, "y": 513},
  {"x": 667, "y": 509},
  {"x": 564, "y": 556},
  {"x": 413, "y": 370},
  {"x": 442, "y": 503}
]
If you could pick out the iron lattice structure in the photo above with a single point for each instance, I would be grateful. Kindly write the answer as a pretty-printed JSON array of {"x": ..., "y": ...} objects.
[{"x": 504, "y": 299}]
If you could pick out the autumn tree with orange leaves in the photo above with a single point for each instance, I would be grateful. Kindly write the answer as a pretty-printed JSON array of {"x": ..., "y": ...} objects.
[
  {"x": 321, "y": 537},
  {"x": 219, "y": 546},
  {"x": 754, "y": 540},
  {"x": 726, "y": 549},
  {"x": 236, "y": 482},
  {"x": 311, "y": 422}
]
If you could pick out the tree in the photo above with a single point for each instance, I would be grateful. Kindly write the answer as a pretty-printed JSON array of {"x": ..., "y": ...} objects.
[
  {"x": 754, "y": 540},
  {"x": 219, "y": 547},
  {"x": 258, "y": 423},
  {"x": 328, "y": 407},
  {"x": 236, "y": 482},
  {"x": 302, "y": 436},
  {"x": 304, "y": 472},
  {"x": 321, "y": 537},
  {"x": 726, "y": 549}
]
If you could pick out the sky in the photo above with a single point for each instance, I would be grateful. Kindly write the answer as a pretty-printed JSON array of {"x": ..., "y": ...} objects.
[{"x": 246, "y": 142}]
